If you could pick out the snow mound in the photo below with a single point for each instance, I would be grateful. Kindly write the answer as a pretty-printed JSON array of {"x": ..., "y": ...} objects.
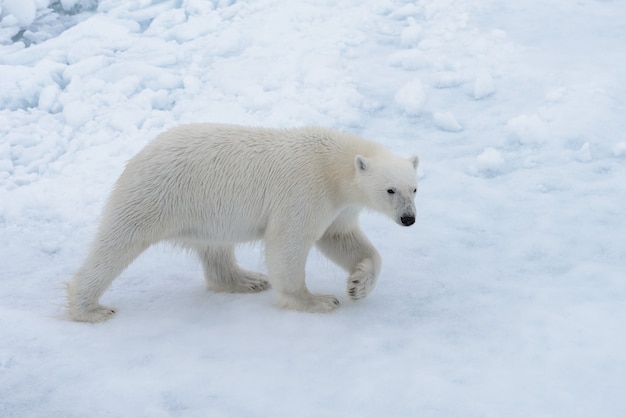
[
  {"x": 619, "y": 150},
  {"x": 446, "y": 122},
  {"x": 488, "y": 163},
  {"x": 584, "y": 153},
  {"x": 483, "y": 86},
  {"x": 33, "y": 21},
  {"x": 77, "y": 113},
  {"x": 412, "y": 34},
  {"x": 20, "y": 13},
  {"x": 411, "y": 97},
  {"x": 528, "y": 129}
]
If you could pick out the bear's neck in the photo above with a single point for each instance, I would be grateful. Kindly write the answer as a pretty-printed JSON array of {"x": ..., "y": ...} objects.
[{"x": 341, "y": 167}]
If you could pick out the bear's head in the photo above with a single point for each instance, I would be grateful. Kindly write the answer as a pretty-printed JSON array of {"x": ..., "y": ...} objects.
[{"x": 389, "y": 184}]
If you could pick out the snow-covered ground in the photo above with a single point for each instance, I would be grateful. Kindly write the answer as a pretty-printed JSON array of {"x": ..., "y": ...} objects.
[{"x": 506, "y": 299}]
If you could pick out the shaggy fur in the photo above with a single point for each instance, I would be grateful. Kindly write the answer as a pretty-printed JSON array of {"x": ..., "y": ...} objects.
[{"x": 208, "y": 187}]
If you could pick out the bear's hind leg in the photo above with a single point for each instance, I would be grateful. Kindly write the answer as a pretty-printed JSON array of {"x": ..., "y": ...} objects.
[
  {"x": 222, "y": 273},
  {"x": 105, "y": 262}
]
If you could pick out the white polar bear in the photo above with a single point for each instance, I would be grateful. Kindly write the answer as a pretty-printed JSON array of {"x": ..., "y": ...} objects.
[{"x": 207, "y": 187}]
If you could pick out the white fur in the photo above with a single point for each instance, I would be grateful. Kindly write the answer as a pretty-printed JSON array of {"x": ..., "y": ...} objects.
[{"x": 208, "y": 187}]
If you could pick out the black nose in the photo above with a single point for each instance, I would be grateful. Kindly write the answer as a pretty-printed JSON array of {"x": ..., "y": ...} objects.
[{"x": 407, "y": 220}]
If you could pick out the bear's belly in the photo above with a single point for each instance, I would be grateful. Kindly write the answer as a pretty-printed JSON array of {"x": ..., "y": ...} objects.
[{"x": 203, "y": 235}]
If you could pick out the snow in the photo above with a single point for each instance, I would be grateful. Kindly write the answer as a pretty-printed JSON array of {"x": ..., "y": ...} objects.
[
  {"x": 490, "y": 162},
  {"x": 20, "y": 12},
  {"x": 411, "y": 97},
  {"x": 506, "y": 298},
  {"x": 619, "y": 150},
  {"x": 483, "y": 86},
  {"x": 446, "y": 122}
]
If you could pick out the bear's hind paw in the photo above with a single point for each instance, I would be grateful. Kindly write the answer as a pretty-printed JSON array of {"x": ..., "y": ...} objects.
[
  {"x": 252, "y": 283},
  {"x": 99, "y": 313},
  {"x": 246, "y": 282}
]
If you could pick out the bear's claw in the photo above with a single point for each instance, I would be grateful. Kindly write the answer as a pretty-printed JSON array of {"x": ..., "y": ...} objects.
[
  {"x": 246, "y": 282},
  {"x": 362, "y": 281}
]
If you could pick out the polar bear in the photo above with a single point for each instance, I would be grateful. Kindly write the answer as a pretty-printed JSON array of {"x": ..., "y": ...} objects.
[{"x": 207, "y": 187}]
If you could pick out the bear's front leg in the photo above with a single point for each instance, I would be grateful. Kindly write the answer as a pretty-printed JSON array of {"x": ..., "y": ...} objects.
[
  {"x": 352, "y": 250},
  {"x": 286, "y": 264}
]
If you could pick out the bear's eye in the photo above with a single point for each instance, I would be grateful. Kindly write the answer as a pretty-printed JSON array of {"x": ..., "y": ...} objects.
[
  {"x": 415, "y": 190},
  {"x": 391, "y": 191}
]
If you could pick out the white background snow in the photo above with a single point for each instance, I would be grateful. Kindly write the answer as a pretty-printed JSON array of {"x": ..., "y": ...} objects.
[{"x": 506, "y": 299}]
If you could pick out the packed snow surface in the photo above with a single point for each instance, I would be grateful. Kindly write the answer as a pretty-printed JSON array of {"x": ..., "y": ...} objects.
[{"x": 507, "y": 298}]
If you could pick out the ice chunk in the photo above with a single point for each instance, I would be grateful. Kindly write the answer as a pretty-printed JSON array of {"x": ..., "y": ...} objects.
[
  {"x": 619, "y": 150},
  {"x": 446, "y": 122},
  {"x": 86, "y": 66},
  {"x": 24, "y": 11},
  {"x": 77, "y": 113},
  {"x": 527, "y": 129},
  {"x": 584, "y": 153},
  {"x": 483, "y": 86},
  {"x": 20, "y": 86},
  {"x": 48, "y": 97},
  {"x": 448, "y": 79},
  {"x": 410, "y": 59},
  {"x": 6, "y": 163},
  {"x": 411, "y": 97},
  {"x": 166, "y": 20},
  {"x": 68, "y": 4},
  {"x": 127, "y": 118},
  {"x": 488, "y": 163},
  {"x": 411, "y": 35}
]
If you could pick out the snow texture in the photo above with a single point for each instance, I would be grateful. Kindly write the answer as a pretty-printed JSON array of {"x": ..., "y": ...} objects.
[
  {"x": 446, "y": 122},
  {"x": 505, "y": 299}
]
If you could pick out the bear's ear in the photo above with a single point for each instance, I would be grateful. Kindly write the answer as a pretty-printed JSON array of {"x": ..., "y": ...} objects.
[
  {"x": 415, "y": 161},
  {"x": 361, "y": 163}
]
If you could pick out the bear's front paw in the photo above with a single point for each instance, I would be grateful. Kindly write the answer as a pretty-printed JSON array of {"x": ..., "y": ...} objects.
[
  {"x": 324, "y": 303},
  {"x": 362, "y": 281}
]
